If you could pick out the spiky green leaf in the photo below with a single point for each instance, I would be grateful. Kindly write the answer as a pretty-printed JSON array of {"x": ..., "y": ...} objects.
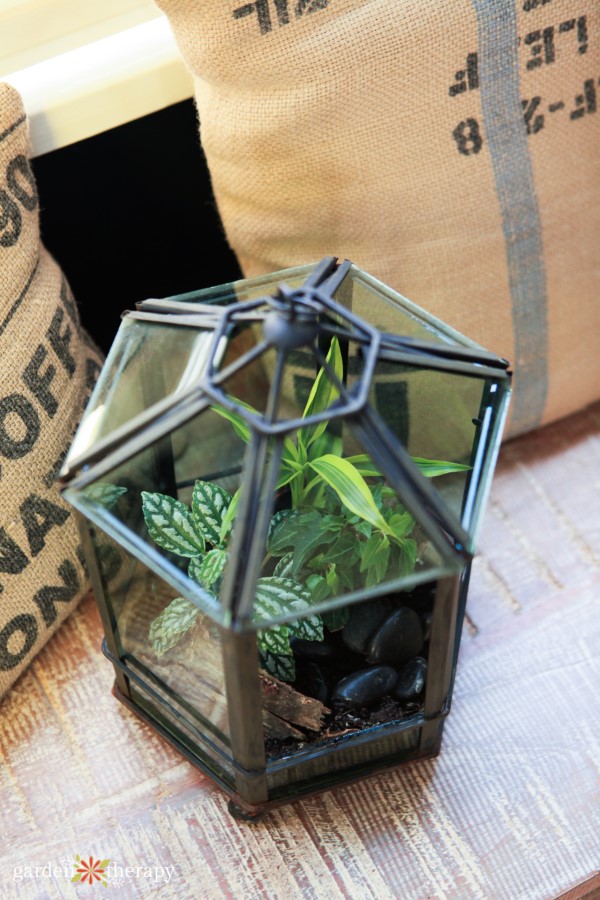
[
  {"x": 323, "y": 394},
  {"x": 327, "y": 443},
  {"x": 365, "y": 465},
  {"x": 210, "y": 503},
  {"x": 350, "y": 487},
  {"x": 288, "y": 472},
  {"x": 240, "y": 426},
  {"x": 430, "y": 468},
  {"x": 229, "y": 517},
  {"x": 171, "y": 525}
]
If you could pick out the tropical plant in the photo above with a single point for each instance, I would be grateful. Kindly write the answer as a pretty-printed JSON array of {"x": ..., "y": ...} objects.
[
  {"x": 340, "y": 532},
  {"x": 202, "y": 533}
]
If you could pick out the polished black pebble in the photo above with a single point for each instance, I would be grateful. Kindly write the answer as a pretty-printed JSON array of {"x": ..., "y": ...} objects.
[
  {"x": 364, "y": 688},
  {"x": 411, "y": 680},
  {"x": 397, "y": 640},
  {"x": 365, "y": 619}
]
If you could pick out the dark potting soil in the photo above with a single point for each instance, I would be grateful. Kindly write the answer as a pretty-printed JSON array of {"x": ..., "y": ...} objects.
[{"x": 339, "y": 724}]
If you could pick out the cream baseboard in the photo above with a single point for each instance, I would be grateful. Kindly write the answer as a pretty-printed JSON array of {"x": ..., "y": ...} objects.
[{"x": 101, "y": 85}]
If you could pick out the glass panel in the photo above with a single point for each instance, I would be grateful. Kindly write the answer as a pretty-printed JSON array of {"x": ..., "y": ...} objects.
[
  {"x": 390, "y": 312},
  {"x": 165, "y": 636},
  {"x": 179, "y": 645},
  {"x": 170, "y": 717},
  {"x": 250, "y": 385},
  {"x": 166, "y": 505},
  {"x": 246, "y": 289},
  {"x": 146, "y": 363},
  {"x": 350, "y": 758},
  {"x": 441, "y": 417}
]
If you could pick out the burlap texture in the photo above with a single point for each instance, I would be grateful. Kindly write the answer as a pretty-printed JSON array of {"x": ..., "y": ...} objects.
[
  {"x": 48, "y": 366},
  {"x": 449, "y": 148}
]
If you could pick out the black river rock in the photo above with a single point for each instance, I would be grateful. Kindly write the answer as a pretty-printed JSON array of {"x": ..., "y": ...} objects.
[
  {"x": 397, "y": 640},
  {"x": 363, "y": 689},
  {"x": 411, "y": 680}
]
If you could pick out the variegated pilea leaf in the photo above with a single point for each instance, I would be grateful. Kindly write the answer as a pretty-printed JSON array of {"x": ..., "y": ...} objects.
[
  {"x": 209, "y": 505},
  {"x": 284, "y": 567},
  {"x": 104, "y": 493},
  {"x": 276, "y": 523},
  {"x": 275, "y": 652},
  {"x": 171, "y": 625},
  {"x": 171, "y": 525},
  {"x": 281, "y": 667},
  {"x": 211, "y": 567},
  {"x": 309, "y": 629},
  {"x": 277, "y": 596},
  {"x": 195, "y": 568},
  {"x": 276, "y": 640}
]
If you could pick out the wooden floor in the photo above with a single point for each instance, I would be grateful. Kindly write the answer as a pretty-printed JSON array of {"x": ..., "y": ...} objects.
[{"x": 510, "y": 810}]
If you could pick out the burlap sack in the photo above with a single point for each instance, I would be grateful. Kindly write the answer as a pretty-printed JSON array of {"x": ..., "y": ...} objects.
[
  {"x": 47, "y": 368},
  {"x": 450, "y": 148}
]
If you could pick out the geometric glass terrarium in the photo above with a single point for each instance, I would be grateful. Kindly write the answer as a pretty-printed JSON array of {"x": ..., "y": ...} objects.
[{"x": 279, "y": 484}]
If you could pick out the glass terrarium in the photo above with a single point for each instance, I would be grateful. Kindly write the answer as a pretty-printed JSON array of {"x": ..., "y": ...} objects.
[{"x": 280, "y": 483}]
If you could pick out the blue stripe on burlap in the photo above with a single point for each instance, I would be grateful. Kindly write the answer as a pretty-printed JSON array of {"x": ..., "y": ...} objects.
[{"x": 506, "y": 139}]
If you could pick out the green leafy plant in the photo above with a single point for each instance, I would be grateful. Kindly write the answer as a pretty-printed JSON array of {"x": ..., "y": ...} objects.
[
  {"x": 339, "y": 533},
  {"x": 201, "y": 533}
]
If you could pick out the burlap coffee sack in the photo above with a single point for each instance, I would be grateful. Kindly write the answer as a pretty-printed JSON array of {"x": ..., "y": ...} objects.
[
  {"x": 48, "y": 366},
  {"x": 449, "y": 148}
]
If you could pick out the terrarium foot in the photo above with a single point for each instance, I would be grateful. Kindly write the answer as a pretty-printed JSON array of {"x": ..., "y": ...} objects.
[{"x": 242, "y": 815}]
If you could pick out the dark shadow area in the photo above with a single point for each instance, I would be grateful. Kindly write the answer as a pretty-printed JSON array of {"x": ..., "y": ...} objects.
[{"x": 130, "y": 214}]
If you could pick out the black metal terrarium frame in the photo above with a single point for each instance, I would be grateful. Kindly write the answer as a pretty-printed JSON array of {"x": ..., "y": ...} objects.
[{"x": 306, "y": 317}]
